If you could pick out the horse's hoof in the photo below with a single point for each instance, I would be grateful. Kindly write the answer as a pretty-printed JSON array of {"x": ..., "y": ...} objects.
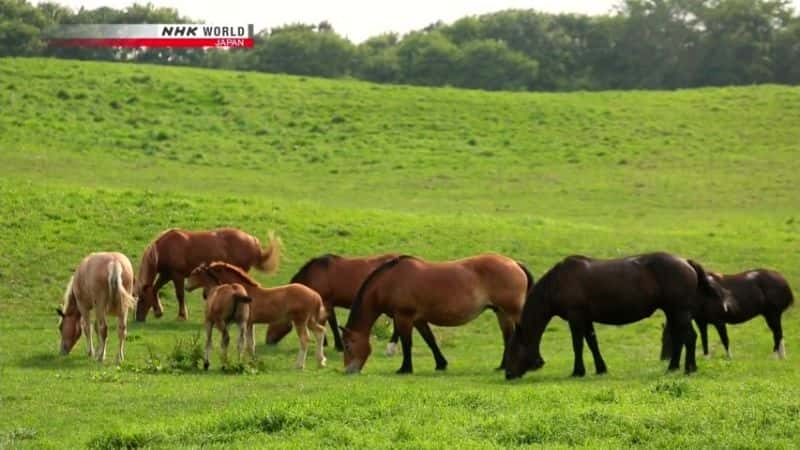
[
  {"x": 404, "y": 370},
  {"x": 578, "y": 373},
  {"x": 691, "y": 369},
  {"x": 441, "y": 367},
  {"x": 205, "y": 365},
  {"x": 602, "y": 371},
  {"x": 339, "y": 348},
  {"x": 672, "y": 368},
  {"x": 323, "y": 363},
  {"x": 391, "y": 349},
  {"x": 182, "y": 318},
  {"x": 707, "y": 355}
]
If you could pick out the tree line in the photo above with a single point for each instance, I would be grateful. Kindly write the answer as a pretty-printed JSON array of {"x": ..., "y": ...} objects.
[{"x": 643, "y": 44}]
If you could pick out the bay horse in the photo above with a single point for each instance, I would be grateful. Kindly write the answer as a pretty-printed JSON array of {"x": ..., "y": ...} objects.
[
  {"x": 294, "y": 303},
  {"x": 226, "y": 304},
  {"x": 174, "y": 253},
  {"x": 583, "y": 290},
  {"x": 337, "y": 280},
  {"x": 415, "y": 293},
  {"x": 752, "y": 293},
  {"x": 103, "y": 282}
]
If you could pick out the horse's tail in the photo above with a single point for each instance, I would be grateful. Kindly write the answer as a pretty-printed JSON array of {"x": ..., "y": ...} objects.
[
  {"x": 703, "y": 281},
  {"x": 355, "y": 308},
  {"x": 322, "y": 313},
  {"x": 269, "y": 256},
  {"x": 778, "y": 288},
  {"x": 121, "y": 299},
  {"x": 529, "y": 276}
]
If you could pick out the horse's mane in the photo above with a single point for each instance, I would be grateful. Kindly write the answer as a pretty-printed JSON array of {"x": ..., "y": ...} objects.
[
  {"x": 539, "y": 293},
  {"x": 150, "y": 253},
  {"x": 68, "y": 297},
  {"x": 355, "y": 308},
  {"x": 323, "y": 259},
  {"x": 245, "y": 278}
]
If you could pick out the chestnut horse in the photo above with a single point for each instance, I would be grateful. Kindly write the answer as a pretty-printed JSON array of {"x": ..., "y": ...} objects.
[
  {"x": 337, "y": 280},
  {"x": 174, "y": 253},
  {"x": 225, "y": 304},
  {"x": 416, "y": 292},
  {"x": 294, "y": 303},
  {"x": 584, "y": 290},
  {"x": 103, "y": 283},
  {"x": 752, "y": 293}
]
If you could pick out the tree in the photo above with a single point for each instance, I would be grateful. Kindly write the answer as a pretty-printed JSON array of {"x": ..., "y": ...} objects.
[
  {"x": 427, "y": 59},
  {"x": 20, "y": 28},
  {"x": 490, "y": 64}
]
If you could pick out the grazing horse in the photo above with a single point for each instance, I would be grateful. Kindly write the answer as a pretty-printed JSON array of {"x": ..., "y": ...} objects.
[
  {"x": 584, "y": 290},
  {"x": 103, "y": 283},
  {"x": 225, "y": 304},
  {"x": 337, "y": 280},
  {"x": 174, "y": 253},
  {"x": 752, "y": 293},
  {"x": 294, "y": 303},
  {"x": 416, "y": 292}
]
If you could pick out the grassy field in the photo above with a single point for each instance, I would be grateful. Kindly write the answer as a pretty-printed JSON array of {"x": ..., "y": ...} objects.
[{"x": 104, "y": 156}]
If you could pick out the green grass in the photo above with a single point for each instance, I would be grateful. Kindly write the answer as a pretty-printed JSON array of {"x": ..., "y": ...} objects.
[{"x": 103, "y": 156}]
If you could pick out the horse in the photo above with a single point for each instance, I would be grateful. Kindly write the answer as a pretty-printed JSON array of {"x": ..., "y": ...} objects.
[
  {"x": 415, "y": 293},
  {"x": 294, "y": 303},
  {"x": 225, "y": 304},
  {"x": 174, "y": 253},
  {"x": 583, "y": 290},
  {"x": 102, "y": 282},
  {"x": 752, "y": 293},
  {"x": 337, "y": 280}
]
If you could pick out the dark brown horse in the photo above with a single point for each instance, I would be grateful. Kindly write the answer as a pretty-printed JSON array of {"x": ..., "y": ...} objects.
[
  {"x": 752, "y": 293},
  {"x": 337, "y": 280},
  {"x": 416, "y": 292},
  {"x": 583, "y": 290},
  {"x": 174, "y": 253}
]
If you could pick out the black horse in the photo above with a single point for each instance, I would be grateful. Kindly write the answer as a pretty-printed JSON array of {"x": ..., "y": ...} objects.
[
  {"x": 752, "y": 293},
  {"x": 583, "y": 290}
]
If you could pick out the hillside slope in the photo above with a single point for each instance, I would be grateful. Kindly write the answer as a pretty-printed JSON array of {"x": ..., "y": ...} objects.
[{"x": 104, "y": 156}]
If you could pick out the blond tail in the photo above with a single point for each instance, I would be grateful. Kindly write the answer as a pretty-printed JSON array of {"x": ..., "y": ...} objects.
[
  {"x": 270, "y": 256},
  {"x": 120, "y": 298}
]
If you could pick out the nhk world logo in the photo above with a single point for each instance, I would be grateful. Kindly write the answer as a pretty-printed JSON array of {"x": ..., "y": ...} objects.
[{"x": 153, "y": 35}]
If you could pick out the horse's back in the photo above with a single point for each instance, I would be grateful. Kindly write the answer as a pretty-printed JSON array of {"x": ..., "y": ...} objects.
[
  {"x": 92, "y": 277},
  {"x": 183, "y": 250}
]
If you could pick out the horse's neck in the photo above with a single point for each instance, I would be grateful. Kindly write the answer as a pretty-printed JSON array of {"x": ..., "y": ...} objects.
[
  {"x": 72, "y": 306},
  {"x": 366, "y": 317}
]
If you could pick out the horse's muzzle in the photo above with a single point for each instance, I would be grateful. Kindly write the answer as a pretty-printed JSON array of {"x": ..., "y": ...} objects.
[{"x": 353, "y": 368}]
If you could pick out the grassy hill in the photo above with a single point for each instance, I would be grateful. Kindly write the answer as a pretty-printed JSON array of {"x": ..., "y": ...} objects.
[{"x": 100, "y": 156}]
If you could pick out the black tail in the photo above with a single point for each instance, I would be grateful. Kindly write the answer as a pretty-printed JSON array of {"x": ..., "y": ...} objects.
[
  {"x": 355, "y": 308},
  {"x": 239, "y": 298},
  {"x": 531, "y": 281},
  {"x": 703, "y": 282}
]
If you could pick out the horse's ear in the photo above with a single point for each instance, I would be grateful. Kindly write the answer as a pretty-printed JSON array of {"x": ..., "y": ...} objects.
[{"x": 60, "y": 312}]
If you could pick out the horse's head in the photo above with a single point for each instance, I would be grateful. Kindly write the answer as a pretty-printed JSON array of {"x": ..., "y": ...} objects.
[
  {"x": 198, "y": 277},
  {"x": 148, "y": 298},
  {"x": 69, "y": 326},
  {"x": 356, "y": 349},
  {"x": 721, "y": 300},
  {"x": 519, "y": 357}
]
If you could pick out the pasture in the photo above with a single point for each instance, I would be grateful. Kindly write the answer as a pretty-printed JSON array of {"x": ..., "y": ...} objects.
[{"x": 97, "y": 156}]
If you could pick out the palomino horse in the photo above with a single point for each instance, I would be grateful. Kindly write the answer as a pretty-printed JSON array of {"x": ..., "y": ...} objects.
[
  {"x": 337, "y": 280},
  {"x": 416, "y": 292},
  {"x": 583, "y": 290},
  {"x": 294, "y": 303},
  {"x": 103, "y": 283},
  {"x": 752, "y": 293},
  {"x": 225, "y": 304},
  {"x": 174, "y": 253}
]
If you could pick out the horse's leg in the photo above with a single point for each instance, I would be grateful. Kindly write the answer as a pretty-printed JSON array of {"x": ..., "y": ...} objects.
[
  {"x": 122, "y": 333},
  {"x": 161, "y": 280},
  {"x": 403, "y": 327},
  {"x": 251, "y": 339},
  {"x": 576, "y": 328},
  {"x": 226, "y": 339},
  {"x": 506, "y": 323},
  {"x": 334, "y": 324},
  {"x": 666, "y": 343},
  {"x": 678, "y": 325},
  {"x": 177, "y": 280},
  {"x": 391, "y": 347},
  {"x": 774, "y": 323},
  {"x": 723, "y": 336},
  {"x": 302, "y": 334},
  {"x": 702, "y": 326},
  {"x": 426, "y": 333},
  {"x": 690, "y": 365},
  {"x": 102, "y": 332},
  {"x": 241, "y": 343},
  {"x": 591, "y": 341},
  {"x": 319, "y": 336},
  {"x": 209, "y": 328}
]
